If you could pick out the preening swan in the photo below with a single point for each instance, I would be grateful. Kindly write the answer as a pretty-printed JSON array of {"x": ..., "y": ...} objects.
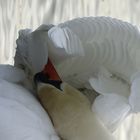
[{"x": 99, "y": 53}]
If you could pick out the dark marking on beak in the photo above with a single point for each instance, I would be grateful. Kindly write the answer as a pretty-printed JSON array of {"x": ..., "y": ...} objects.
[{"x": 44, "y": 78}]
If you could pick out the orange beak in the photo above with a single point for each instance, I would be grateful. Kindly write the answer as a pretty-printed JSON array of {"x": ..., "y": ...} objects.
[{"x": 49, "y": 70}]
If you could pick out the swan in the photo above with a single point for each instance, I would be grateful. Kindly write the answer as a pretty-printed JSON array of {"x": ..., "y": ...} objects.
[{"x": 99, "y": 53}]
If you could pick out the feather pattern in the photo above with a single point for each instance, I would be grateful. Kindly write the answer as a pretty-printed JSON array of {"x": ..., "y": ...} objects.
[
  {"x": 99, "y": 53},
  {"x": 110, "y": 64},
  {"x": 106, "y": 42}
]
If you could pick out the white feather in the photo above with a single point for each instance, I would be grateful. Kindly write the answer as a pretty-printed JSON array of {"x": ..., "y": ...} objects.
[
  {"x": 110, "y": 44},
  {"x": 111, "y": 117}
]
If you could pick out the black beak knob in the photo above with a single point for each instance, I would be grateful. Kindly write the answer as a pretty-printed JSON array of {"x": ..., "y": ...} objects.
[{"x": 44, "y": 78}]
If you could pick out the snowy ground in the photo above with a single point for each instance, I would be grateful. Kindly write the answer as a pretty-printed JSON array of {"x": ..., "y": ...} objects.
[{"x": 18, "y": 14}]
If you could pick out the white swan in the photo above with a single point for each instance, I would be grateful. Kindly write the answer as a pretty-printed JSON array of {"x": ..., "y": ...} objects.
[{"x": 100, "y": 53}]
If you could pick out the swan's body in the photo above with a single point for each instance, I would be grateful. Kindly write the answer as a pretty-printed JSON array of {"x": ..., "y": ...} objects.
[
  {"x": 106, "y": 42},
  {"x": 109, "y": 61},
  {"x": 21, "y": 115}
]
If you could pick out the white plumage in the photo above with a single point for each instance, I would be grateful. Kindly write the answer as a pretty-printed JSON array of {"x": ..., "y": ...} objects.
[
  {"x": 21, "y": 115},
  {"x": 100, "y": 53}
]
